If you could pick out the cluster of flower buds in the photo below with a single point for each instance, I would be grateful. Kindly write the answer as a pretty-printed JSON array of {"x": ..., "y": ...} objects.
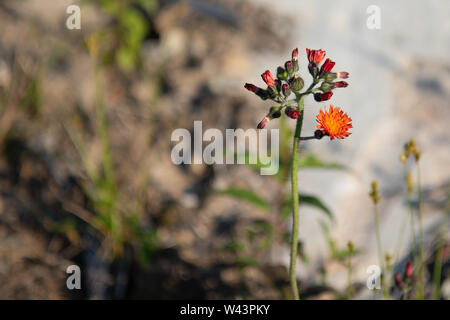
[
  {"x": 409, "y": 149},
  {"x": 406, "y": 278},
  {"x": 323, "y": 73},
  {"x": 279, "y": 89},
  {"x": 334, "y": 123}
]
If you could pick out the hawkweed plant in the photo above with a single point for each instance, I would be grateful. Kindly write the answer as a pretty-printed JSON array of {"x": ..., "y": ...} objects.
[
  {"x": 375, "y": 196},
  {"x": 286, "y": 92}
]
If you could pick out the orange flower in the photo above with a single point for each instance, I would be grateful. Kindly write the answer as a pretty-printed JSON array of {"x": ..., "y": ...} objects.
[
  {"x": 268, "y": 78},
  {"x": 334, "y": 123},
  {"x": 315, "y": 56}
]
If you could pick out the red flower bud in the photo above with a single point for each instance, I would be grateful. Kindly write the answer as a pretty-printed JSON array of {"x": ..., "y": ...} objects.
[
  {"x": 289, "y": 66},
  {"x": 315, "y": 56},
  {"x": 295, "y": 54},
  {"x": 263, "y": 94},
  {"x": 296, "y": 83},
  {"x": 263, "y": 123},
  {"x": 335, "y": 75},
  {"x": 277, "y": 84},
  {"x": 340, "y": 84},
  {"x": 398, "y": 280},
  {"x": 342, "y": 75},
  {"x": 313, "y": 70},
  {"x": 268, "y": 78},
  {"x": 286, "y": 89},
  {"x": 251, "y": 87},
  {"x": 408, "y": 269},
  {"x": 323, "y": 96},
  {"x": 327, "y": 66},
  {"x": 318, "y": 134},
  {"x": 292, "y": 113}
]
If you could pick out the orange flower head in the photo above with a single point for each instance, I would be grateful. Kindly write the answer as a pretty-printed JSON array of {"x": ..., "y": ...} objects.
[{"x": 334, "y": 123}]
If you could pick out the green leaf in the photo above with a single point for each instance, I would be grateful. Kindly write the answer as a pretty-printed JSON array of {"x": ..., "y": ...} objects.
[
  {"x": 330, "y": 241},
  {"x": 302, "y": 253},
  {"x": 233, "y": 246},
  {"x": 149, "y": 5},
  {"x": 264, "y": 226},
  {"x": 315, "y": 202},
  {"x": 304, "y": 199},
  {"x": 311, "y": 161},
  {"x": 246, "y": 195},
  {"x": 343, "y": 254},
  {"x": 245, "y": 261}
]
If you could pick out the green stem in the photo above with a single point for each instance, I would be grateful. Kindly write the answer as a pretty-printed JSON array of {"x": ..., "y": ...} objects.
[
  {"x": 408, "y": 219},
  {"x": 309, "y": 138},
  {"x": 400, "y": 238},
  {"x": 413, "y": 231},
  {"x": 403, "y": 227},
  {"x": 350, "y": 288},
  {"x": 300, "y": 96},
  {"x": 380, "y": 252},
  {"x": 105, "y": 184},
  {"x": 421, "y": 291},
  {"x": 439, "y": 259},
  {"x": 295, "y": 204}
]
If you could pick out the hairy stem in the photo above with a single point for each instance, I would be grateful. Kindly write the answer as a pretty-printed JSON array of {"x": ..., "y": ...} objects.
[
  {"x": 294, "y": 195},
  {"x": 309, "y": 138}
]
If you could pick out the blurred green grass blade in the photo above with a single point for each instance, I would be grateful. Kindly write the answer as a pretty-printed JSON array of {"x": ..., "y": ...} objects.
[
  {"x": 344, "y": 254},
  {"x": 311, "y": 161},
  {"x": 304, "y": 199},
  {"x": 315, "y": 202},
  {"x": 246, "y": 195},
  {"x": 330, "y": 241}
]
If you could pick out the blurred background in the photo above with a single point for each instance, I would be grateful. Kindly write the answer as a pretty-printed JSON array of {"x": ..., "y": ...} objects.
[{"x": 86, "y": 176}]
